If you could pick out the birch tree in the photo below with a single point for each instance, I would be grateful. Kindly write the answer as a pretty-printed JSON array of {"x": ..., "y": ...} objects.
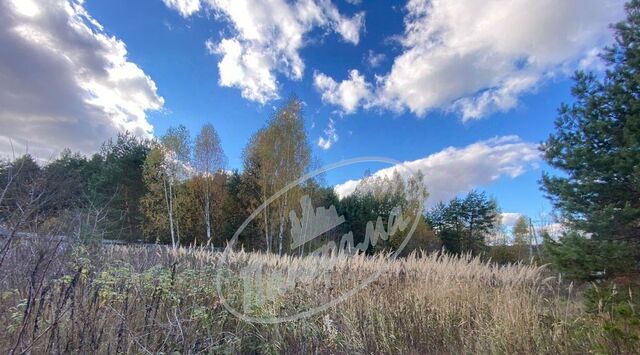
[
  {"x": 286, "y": 155},
  {"x": 280, "y": 154},
  {"x": 176, "y": 146},
  {"x": 209, "y": 159}
]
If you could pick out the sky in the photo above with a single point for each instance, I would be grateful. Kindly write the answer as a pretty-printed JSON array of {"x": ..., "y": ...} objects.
[{"x": 462, "y": 90}]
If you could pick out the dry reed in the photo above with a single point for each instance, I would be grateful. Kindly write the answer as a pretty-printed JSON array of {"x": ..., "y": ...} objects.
[{"x": 75, "y": 298}]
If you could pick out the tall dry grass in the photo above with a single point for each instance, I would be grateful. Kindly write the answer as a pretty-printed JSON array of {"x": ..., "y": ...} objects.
[{"x": 76, "y": 298}]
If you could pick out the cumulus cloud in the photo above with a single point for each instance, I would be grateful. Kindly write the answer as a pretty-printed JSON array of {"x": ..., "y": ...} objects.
[
  {"x": 267, "y": 38},
  {"x": 331, "y": 136},
  {"x": 453, "y": 171},
  {"x": 348, "y": 94},
  {"x": 184, "y": 7},
  {"x": 478, "y": 57},
  {"x": 246, "y": 68},
  {"x": 65, "y": 82}
]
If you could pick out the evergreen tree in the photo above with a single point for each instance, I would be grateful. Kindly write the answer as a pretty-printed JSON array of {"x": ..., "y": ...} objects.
[
  {"x": 580, "y": 258},
  {"x": 119, "y": 184},
  {"x": 155, "y": 202},
  {"x": 597, "y": 143},
  {"x": 464, "y": 223}
]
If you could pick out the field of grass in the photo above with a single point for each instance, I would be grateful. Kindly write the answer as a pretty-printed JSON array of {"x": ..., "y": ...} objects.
[{"x": 77, "y": 298}]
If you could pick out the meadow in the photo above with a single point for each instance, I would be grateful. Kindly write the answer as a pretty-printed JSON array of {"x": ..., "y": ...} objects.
[
  {"x": 78, "y": 298},
  {"x": 113, "y": 216}
]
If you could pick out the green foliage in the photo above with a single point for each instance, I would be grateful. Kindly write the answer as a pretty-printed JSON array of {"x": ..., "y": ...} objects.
[
  {"x": 579, "y": 258},
  {"x": 154, "y": 202},
  {"x": 189, "y": 215},
  {"x": 71, "y": 173},
  {"x": 376, "y": 197},
  {"x": 357, "y": 210},
  {"x": 19, "y": 181},
  {"x": 166, "y": 192},
  {"x": 597, "y": 143},
  {"x": 237, "y": 205},
  {"x": 617, "y": 307},
  {"x": 102, "y": 193},
  {"x": 119, "y": 185},
  {"x": 464, "y": 223}
]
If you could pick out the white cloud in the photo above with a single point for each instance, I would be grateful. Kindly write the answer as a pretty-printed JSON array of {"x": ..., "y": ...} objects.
[
  {"x": 349, "y": 28},
  {"x": 509, "y": 219},
  {"x": 457, "y": 170},
  {"x": 592, "y": 61},
  {"x": 478, "y": 57},
  {"x": 554, "y": 230},
  {"x": 544, "y": 223},
  {"x": 246, "y": 68},
  {"x": 267, "y": 38},
  {"x": 65, "y": 82},
  {"x": 375, "y": 59},
  {"x": 501, "y": 98},
  {"x": 184, "y": 7},
  {"x": 331, "y": 136},
  {"x": 347, "y": 94}
]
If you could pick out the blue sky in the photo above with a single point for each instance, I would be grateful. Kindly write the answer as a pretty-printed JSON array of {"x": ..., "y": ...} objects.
[{"x": 463, "y": 89}]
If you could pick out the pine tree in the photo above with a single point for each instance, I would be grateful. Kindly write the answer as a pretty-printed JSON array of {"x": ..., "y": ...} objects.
[
  {"x": 597, "y": 143},
  {"x": 464, "y": 223}
]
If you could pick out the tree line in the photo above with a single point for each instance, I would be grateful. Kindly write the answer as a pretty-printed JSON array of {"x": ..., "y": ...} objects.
[{"x": 176, "y": 190}]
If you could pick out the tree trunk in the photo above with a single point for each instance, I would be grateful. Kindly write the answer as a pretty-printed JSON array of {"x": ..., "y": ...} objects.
[
  {"x": 176, "y": 219},
  {"x": 266, "y": 224},
  {"x": 281, "y": 233},
  {"x": 208, "y": 208},
  {"x": 167, "y": 196},
  {"x": 207, "y": 213}
]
